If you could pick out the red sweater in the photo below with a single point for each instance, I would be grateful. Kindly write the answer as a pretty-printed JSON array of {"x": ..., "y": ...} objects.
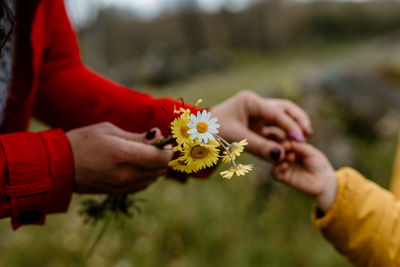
[{"x": 50, "y": 82}]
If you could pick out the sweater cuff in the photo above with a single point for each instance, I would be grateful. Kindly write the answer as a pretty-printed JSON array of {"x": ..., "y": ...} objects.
[
  {"x": 40, "y": 175},
  {"x": 61, "y": 169}
]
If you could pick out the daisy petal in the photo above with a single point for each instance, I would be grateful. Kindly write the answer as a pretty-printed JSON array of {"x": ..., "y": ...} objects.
[
  {"x": 217, "y": 125},
  {"x": 205, "y": 140},
  {"x": 204, "y": 115},
  {"x": 208, "y": 116},
  {"x": 193, "y": 118},
  {"x": 209, "y": 136},
  {"x": 212, "y": 130},
  {"x": 213, "y": 120}
]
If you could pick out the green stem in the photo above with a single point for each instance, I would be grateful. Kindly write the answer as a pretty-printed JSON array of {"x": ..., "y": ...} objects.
[
  {"x": 99, "y": 236},
  {"x": 227, "y": 151},
  {"x": 223, "y": 140},
  {"x": 163, "y": 142}
]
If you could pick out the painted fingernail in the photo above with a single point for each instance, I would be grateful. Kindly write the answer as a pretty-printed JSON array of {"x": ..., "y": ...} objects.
[
  {"x": 275, "y": 154},
  {"x": 151, "y": 134},
  {"x": 297, "y": 137}
]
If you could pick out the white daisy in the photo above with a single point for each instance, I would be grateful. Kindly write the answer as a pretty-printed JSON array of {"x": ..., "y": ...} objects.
[{"x": 202, "y": 126}]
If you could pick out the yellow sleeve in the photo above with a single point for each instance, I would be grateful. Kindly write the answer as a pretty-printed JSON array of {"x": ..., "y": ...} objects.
[
  {"x": 364, "y": 222},
  {"x": 395, "y": 182}
]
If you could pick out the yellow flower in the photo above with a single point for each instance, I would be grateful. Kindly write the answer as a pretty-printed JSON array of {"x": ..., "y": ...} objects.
[
  {"x": 235, "y": 149},
  {"x": 179, "y": 164},
  {"x": 200, "y": 155},
  {"x": 179, "y": 128},
  {"x": 181, "y": 110},
  {"x": 178, "y": 148},
  {"x": 238, "y": 170}
]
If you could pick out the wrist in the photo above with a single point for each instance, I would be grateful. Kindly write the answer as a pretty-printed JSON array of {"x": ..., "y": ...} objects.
[{"x": 327, "y": 198}]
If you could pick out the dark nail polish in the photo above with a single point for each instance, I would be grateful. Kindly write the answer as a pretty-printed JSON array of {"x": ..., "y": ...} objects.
[
  {"x": 151, "y": 134},
  {"x": 275, "y": 154}
]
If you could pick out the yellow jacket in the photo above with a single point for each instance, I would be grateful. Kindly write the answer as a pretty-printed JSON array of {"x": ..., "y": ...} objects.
[{"x": 364, "y": 222}]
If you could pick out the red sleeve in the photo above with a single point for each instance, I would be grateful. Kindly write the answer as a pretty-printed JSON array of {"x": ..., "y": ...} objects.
[
  {"x": 36, "y": 176},
  {"x": 77, "y": 96}
]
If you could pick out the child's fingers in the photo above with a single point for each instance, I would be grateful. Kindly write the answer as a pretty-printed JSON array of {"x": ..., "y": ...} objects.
[
  {"x": 281, "y": 168},
  {"x": 284, "y": 167},
  {"x": 291, "y": 157},
  {"x": 280, "y": 172},
  {"x": 304, "y": 150},
  {"x": 287, "y": 145}
]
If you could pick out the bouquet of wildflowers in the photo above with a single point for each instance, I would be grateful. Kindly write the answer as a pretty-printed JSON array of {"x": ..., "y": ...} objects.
[{"x": 198, "y": 146}]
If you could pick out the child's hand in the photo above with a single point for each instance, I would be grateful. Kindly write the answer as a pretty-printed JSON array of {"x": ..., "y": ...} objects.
[{"x": 309, "y": 171}]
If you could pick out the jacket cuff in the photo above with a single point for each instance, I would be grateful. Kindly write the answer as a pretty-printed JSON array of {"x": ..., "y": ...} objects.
[
  {"x": 40, "y": 175},
  {"x": 327, "y": 218}
]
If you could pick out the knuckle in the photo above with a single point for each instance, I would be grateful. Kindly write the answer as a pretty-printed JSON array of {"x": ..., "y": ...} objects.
[
  {"x": 286, "y": 103},
  {"x": 246, "y": 94},
  {"x": 137, "y": 137},
  {"x": 106, "y": 125},
  {"x": 275, "y": 117}
]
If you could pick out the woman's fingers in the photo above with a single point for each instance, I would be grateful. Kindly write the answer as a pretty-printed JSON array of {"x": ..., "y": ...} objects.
[
  {"x": 146, "y": 156},
  {"x": 150, "y": 137},
  {"x": 264, "y": 148},
  {"x": 287, "y": 123},
  {"x": 299, "y": 116},
  {"x": 283, "y": 120},
  {"x": 273, "y": 133},
  {"x": 281, "y": 113}
]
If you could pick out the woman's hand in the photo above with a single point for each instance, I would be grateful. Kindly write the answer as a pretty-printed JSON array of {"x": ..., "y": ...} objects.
[
  {"x": 108, "y": 159},
  {"x": 308, "y": 170},
  {"x": 247, "y": 115}
]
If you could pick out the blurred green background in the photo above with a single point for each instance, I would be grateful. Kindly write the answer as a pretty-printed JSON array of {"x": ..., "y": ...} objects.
[{"x": 337, "y": 60}]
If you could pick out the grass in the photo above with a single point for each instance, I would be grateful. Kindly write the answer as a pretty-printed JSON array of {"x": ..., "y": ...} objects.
[{"x": 248, "y": 221}]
